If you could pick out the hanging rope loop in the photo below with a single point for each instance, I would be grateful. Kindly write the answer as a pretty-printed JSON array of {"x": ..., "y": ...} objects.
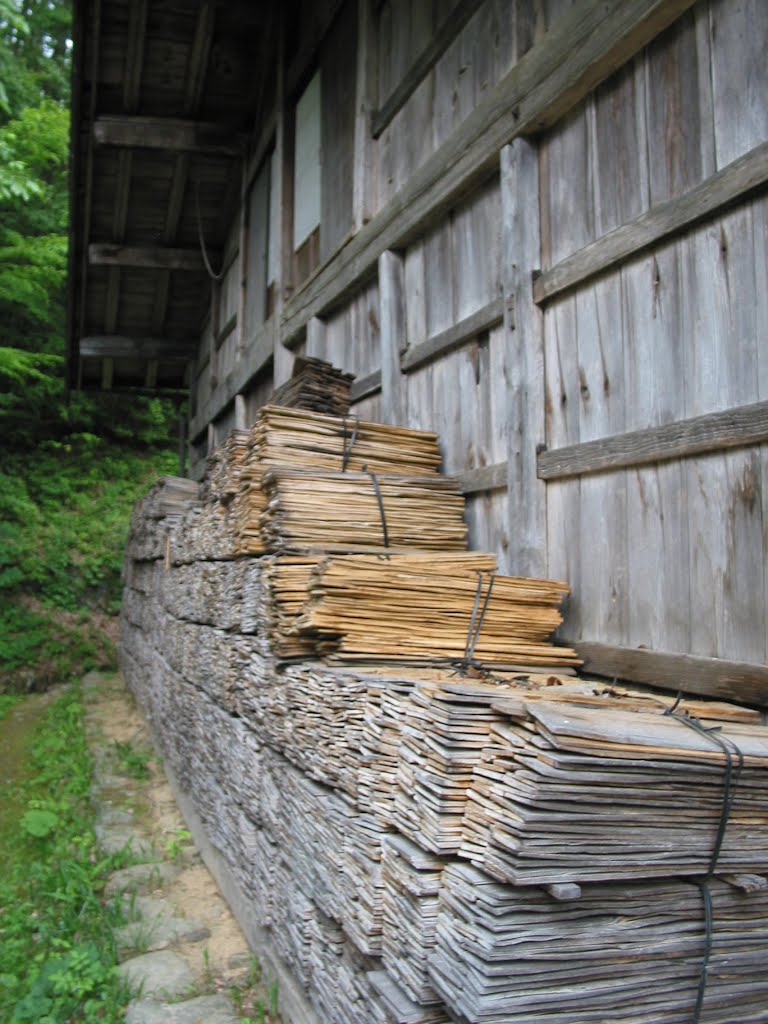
[{"x": 201, "y": 239}]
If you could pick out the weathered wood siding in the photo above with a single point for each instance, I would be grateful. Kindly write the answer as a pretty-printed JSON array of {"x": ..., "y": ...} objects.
[
  {"x": 668, "y": 556},
  {"x": 497, "y": 36},
  {"x": 604, "y": 275}
]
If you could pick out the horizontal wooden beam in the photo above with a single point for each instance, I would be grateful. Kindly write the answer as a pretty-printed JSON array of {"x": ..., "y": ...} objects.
[
  {"x": 710, "y": 677},
  {"x": 225, "y": 330},
  {"x": 256, "y": 357},
  {"x": 118, "y": 346},
  {"x": 731, "y": 428},
  {"x": 446, "y": 341},
  {"x": 729, "y": 185},
  {"x": 180, "y": 393},
  {"x": 149, "y": 257},
  {"x": 364, "y": 387},
  {"x": 446, "y": 32},
  {"x": 169, "y": 133},
  {"x": 486, "y": 478}
]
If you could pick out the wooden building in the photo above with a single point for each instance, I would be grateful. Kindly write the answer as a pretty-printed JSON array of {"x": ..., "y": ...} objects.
[{"x": 538, "y": 227}]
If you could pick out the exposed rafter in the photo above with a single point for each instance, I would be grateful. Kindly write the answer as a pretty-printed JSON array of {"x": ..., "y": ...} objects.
[
  {"x": 171, "y": 133},
  {"x": 193, "y": 93},
  {"x": 158, "y": 147},
  {"x": 154, "y": 257},
  {"x": 119, "y": 222},
  {"x": 116, "y": 346},
  {"x": 134, "y": 54},
  {"x": 134, "y": 65}
]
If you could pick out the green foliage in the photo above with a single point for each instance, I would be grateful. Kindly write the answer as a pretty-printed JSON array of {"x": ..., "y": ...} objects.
[
  {"x": 20, "y": 367},
  {"x": 71, "y": 466},
  {"x": 175, "y": 845},
  {"x": 57, "y": 955},
  {"x": 133, "y": 763},
  {"x": 7, "y": 701},
  {"x": 39, "y": 822},
  {"x": 34, "y": 52},
  {"x": 32, "y": 269},
  {"x": 63, "y": 529}
]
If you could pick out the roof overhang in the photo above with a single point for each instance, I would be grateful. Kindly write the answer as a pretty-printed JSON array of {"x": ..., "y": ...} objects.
[{"x": 163, "y": 103}]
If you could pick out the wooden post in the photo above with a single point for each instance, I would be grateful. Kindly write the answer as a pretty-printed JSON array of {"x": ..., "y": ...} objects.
[
  {"x": 392, "y": 317},
  {"x": 243, "y": 268},
  {"x": 523, "y": 323},
  {"x": 241, "y": 412},
  {"x": 365, "y": 101},
  {"x": 316, "y": 337},
  {"x": 279, "y": 181}
]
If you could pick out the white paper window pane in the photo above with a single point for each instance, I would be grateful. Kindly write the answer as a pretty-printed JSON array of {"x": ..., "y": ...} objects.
[{"x": 306, "y": 175}]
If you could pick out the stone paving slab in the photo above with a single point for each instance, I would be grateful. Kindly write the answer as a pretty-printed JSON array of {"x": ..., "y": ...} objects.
[
  {"x": 203, "y": 1010},
  {"x": 116, "y": 838},
  {"x": 141, "y": 878},
  {"x": 163, "y": 974},
  {"x": 156, "y": 925},
  {"x": 128, "y": 813}
]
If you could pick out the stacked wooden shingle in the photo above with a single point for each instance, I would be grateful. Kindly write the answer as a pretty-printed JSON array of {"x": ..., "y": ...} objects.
[
  {"x": 412, "y": 882},
  {"x": 510, "y": 954},
  {"x": 315, "y": 385},
  {"x": 569, "y": 794},
  {"x": 435, "y": 820},
  {"x": 285, "y": 439},
  {"x": 224, "y": 468}
]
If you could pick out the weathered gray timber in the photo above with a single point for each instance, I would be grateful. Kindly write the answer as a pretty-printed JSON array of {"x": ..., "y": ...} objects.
[
  {"x": 167, "y": 133},
  {"x": 422, "y": 352},
  {"x": 731, "y": 428},
  {"x": 735, "y": 181},
  {"x": 119, "y": 347},
  {"x": 538, "y": 90},
  {"x": 522, "y": 952},
  {"x": 330, "y": 802},
  {"x": 713, "y": 677}
]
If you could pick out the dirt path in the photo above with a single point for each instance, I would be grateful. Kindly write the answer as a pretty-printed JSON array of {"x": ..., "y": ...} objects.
[{"x": 176, "y": 904}]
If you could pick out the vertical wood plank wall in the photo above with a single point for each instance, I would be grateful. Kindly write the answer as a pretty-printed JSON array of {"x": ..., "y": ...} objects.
[{"x": 669, "y": 555}]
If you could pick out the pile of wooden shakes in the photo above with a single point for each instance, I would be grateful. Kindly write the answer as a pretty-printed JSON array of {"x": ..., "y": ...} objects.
[
  {"x": 315, "y": 385},
  {"x": 436, "y": 818}
]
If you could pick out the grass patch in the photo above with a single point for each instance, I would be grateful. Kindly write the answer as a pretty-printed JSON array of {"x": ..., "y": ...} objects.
[
  {"x": 7, "y": 701},
  {"x": 133, "y": 763},
  {"x": 57, "y": 953},
  {"x": 64, "y": 519}
]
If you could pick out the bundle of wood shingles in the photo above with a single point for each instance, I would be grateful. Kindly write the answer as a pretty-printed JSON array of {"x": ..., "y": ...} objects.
[
  {"x": 224, "y": 466},
  {"x": 170, "y": 498},
  {"x": 284, "y": 439},
  {"x": 622, "y": 847},
  {"x": 315, "y": 385},
  {"x": 511, "y": 955},
  {"x": 570, "y": 795}
]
